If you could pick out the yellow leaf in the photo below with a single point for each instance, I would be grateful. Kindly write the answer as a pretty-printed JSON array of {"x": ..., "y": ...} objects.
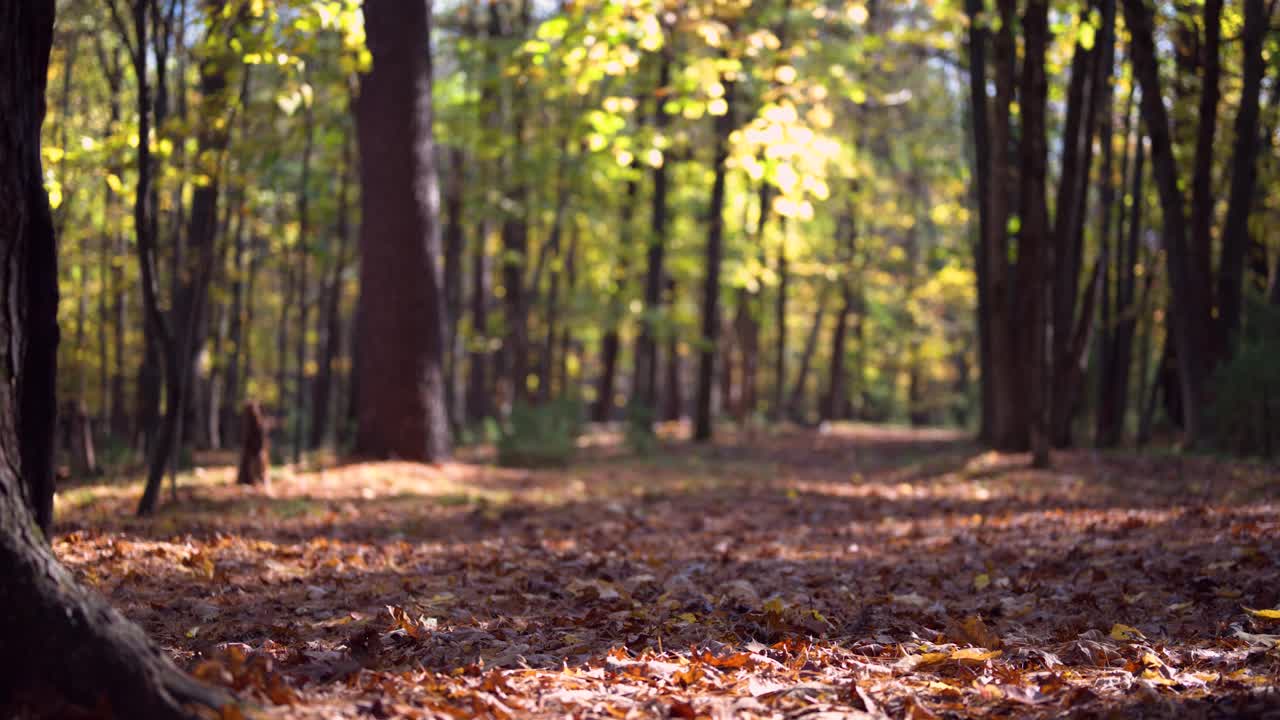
[
  {"x": 980, "y": 582},
  {"x": 975, "y": 655},
  {"x": 1125, "y": 633},
  {"x": 688, "y": 617},
  {"x": 1264, "y": 614}
]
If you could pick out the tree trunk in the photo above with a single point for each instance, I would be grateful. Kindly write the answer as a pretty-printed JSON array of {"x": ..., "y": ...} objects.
[
  {"x": 1189, "y": 312},
  {"x": 978, "y": 117},
  {"x": 1113, "y": 403},
  {"x": 76, "y": 649},
  {"x": 645, "y": 392},
  {"x": 454, "y": 244},
  {"x": 1009, "y": 419},
  {"x": 321, "y": 405},
  {"x": 1202, "y": 191},
  {"x": 1244, "y": 175},
  {"x": 299, "y": 410},
  {"x": 795, "y": 401},
  {"x": 401, "y": 401},
  {"x": 1034, "y": 264},
  {"x": 711, "y": 287}
]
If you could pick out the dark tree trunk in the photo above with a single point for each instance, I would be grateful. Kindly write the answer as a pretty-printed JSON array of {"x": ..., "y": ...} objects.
[
  {"x": 1202, "y": 192},
  {"x": 255, "y": 455},
  {"x": 1113, "y": 405},
  {"x": 978, "y": 117},
  {"x": 1244, "y": 175},
  {"x": 673, "y": 401},
  {"x": 454, "y": 244},
  {"x": 1009, "y": 418},
  {"x": 1089, "y": 92},
  {"x": 1188, "y": 313},
  {"x": 611, "y": 342},
  {"x": 711, "y": 287},
  {"x": 401, "y": 401},
  {"x": 1034, "y": 250},
  {"x": 75, "y": 648},
  {"x": 645, "y": 392}
]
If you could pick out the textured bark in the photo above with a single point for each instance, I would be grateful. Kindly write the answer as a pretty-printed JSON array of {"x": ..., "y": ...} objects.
[
  {"x": 1244, "y": 175},
  {"x": 711, "y": 285},
  {"x": 75, "y": 650},
  {"x": 255, "y": 456},
  {"x": 401, "y": 400},
  {"x": 1189, "y": 312}
]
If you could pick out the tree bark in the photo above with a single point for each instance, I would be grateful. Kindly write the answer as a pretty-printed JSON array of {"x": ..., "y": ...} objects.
[
  {"x": 454, "y": 244},
  {"x": 1034, "y": 265},
  {"x": 1244, "y": 174},
  {"x": 75, "y": 648},
  {"x": 711, "y": 287},
  {"x": 401, "y": 400},
  {"x": 1189, "y": 308},
  {"x": 980, "y": 124}
]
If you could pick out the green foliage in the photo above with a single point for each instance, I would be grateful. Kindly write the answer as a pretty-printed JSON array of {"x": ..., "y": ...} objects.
[
  {"x": 1246, "y": 399},
  {"x": 543, "y": 435},
  {"x": 639, "y": 435}
]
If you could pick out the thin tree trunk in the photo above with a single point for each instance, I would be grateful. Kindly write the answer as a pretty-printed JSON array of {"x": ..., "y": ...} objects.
[
  {"x": 454, "y": 245},
  {"x": 645, "y": 392},
  {"x": 304, "y": 303},
  {"x": 1244, "y": 174},
  {"x": 322, "y": 389},
  {"x": 711, "y": 287},
  {"x": 1034, "y": 264},
  {"x": 795, "y": 401}
]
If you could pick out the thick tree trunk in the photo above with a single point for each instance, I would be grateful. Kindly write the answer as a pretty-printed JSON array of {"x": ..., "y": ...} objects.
[
  {"x": 401, "y": 401},
  {"x": 75, "y": 648},
  {"x": 1189, "y": 313},
  {"x": 711, "y": 287},
  {"x": 1244, "y": 174}
]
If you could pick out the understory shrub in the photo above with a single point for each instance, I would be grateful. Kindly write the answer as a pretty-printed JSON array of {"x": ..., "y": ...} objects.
[
  {"x": 1245, "y": 414},
  {"x": 544, "y": 435}
]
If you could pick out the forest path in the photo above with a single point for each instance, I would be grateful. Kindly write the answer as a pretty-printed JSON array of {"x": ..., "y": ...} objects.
[{"x": 856, "y": 571}]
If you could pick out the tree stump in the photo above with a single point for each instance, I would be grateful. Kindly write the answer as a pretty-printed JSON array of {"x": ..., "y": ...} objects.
[{"x": 254, "y": 456}]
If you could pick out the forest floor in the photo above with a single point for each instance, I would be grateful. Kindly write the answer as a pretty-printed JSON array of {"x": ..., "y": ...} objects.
[{"x": 857, "y": 572}]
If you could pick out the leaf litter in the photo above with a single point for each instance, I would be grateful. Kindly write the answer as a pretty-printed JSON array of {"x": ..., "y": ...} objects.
[{"x": 857, "y": 572}]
